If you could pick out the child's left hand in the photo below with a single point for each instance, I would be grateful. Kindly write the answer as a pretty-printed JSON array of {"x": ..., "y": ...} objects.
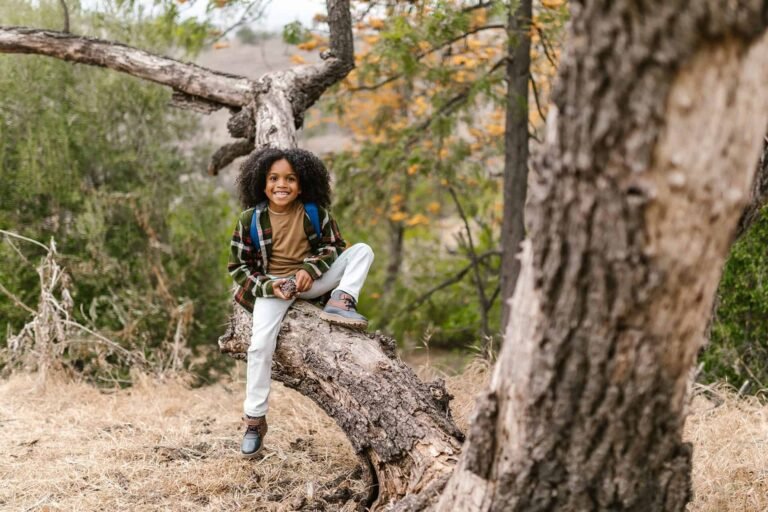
[{"x": 303, "y": 281}]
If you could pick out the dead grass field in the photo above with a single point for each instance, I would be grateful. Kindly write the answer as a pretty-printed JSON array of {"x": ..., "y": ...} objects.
[{"x": 163, "y": 446}]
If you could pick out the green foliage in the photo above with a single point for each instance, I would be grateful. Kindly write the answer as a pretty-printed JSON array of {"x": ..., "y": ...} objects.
[
  {"x": 738, "y": 350},
  {"x": 97, "y": 160},
  {"x": 296, "y": 33}
]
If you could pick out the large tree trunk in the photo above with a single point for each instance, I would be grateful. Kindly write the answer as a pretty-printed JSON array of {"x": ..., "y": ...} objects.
[{"x": 647, "y": 167}]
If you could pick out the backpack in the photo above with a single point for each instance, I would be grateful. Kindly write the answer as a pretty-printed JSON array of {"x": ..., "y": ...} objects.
[{"x": 310, "y": 208}]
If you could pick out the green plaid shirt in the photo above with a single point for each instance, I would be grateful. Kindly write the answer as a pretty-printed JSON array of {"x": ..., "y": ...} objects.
[{"x": 249, "y": 266}]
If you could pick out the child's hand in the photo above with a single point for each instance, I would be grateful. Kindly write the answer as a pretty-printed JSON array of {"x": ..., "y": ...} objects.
[
  {"x": 277, "y": 289},
  {"x": 303, "y": 281}
]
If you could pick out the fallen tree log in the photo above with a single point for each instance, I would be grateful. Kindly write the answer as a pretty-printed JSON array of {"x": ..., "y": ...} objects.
[{"x": 400, "y": 426}]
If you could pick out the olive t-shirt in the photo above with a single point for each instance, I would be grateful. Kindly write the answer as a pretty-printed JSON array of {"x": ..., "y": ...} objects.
[{"x": 289, "y": 241}]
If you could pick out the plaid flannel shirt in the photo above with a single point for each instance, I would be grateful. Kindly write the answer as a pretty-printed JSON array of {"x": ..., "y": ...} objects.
[{"x": 249, "y": 266}]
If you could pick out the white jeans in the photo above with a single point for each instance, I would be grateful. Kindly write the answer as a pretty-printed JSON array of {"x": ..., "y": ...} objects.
[{"x": 347, "y": 273}]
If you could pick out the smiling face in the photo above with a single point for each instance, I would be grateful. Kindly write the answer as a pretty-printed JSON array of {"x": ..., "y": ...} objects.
[{"x": 282, "y": 187}]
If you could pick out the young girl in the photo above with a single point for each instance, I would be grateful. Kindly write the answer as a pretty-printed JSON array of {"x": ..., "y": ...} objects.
[{"x": 288, "y": 260}]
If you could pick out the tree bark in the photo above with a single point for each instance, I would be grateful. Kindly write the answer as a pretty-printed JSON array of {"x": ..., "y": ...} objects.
[
  {"x": 515, "y": 147},
  {"x": 652, "y": 142}
]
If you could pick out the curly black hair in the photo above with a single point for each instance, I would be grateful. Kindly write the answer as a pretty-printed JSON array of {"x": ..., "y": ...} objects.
[{"x": 314, "y": 180}]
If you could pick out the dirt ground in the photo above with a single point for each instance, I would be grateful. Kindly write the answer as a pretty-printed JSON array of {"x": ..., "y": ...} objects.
[{"x": 162, "y": 445}]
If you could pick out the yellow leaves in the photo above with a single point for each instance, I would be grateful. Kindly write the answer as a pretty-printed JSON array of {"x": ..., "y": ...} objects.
[
  {"x": 308, "y": 45},
  {"x": 443, "y": 154},
  {"x": 474, "y": 44},
  {"x": 371, "y": 39},
  {"x": 479, "y": 17},
  {"x": 397, "y": 216},
  {"x": 413, "y": 169},
  {"x": 433, "y": 207},
  {"x": 221, "y": 3},
  {"x": 424, "y": 46},
  {"x": 420, "y": 106},
  {"x": 552, "y": 4},
  {"x": 397, "y": 199},
  {"x": 376, "y": 23},
  {"x": 319, "y": 17},
  {"x": 220, "y": 45},
  {"x": 495, "y": 129},
  {"x": 375, "y": 295},
  {"x": 417, "y": 220},
  {"x": 298, "y": 59}
]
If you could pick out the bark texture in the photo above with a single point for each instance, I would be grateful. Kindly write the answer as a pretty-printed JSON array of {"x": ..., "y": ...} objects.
[
  {"x": 515, "y": 148},
  {"x": 653, "y": 140}
]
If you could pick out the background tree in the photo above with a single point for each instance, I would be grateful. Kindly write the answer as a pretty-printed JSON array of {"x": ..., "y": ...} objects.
[
  {"x": 426, "y": 108},
  {"x": 102, "y": 165}
]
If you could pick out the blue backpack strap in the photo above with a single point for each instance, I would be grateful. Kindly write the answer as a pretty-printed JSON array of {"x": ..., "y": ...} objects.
[
  {"x": 255, "y": 229},
  {"x": 314, "y": 217}
]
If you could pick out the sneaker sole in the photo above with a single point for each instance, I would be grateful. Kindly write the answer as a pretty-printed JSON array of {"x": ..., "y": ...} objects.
[
  {"x": 360, "y": 325},
  {"x": 251, "y": 455}
]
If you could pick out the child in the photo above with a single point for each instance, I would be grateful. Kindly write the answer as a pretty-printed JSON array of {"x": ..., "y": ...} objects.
[{"x": 288, "y": 261}]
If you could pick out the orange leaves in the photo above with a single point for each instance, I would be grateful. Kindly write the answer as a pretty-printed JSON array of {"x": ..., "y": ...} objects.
[
  {"x": 398, "y": 216},
  {"x": 495, "y": 129},
  {"x": 376, "y": 23},
  {"x": 412, "y": 169},
  {"x": 417, "y": 220},
  {"x": 552, "y": 4},
  {"x": 298, "y": 59},
  {"x": 433, "y": 207},
  {"x": 220, "y": 45}
]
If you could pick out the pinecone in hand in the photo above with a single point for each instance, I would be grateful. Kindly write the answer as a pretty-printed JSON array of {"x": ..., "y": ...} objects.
[{"x": 288, "y": 287}]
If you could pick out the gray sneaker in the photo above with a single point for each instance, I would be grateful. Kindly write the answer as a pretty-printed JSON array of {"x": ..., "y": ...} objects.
[
  {"x": 340, "y": 310},
  {"x": 253, "y": 440}
]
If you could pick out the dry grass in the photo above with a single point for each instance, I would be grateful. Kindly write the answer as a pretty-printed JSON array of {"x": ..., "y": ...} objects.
[
  {"x": 164, "y": 446},
  {"x": 730, "y": 459}
]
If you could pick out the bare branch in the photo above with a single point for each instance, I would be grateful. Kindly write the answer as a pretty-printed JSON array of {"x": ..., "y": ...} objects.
[
  {"x": 451, "y": 280},
  {"x": 310, "y": 82},
  {"x": 246, "y": 17},
  {"x": 16, "y": 300},
  {"x": 479, "y": 5},
  {"x": 226, "y": 154},
  {"x": 184, "y": 77},
  {"x": 536, "y": 97},
  {"x": 471, "y": 252}
]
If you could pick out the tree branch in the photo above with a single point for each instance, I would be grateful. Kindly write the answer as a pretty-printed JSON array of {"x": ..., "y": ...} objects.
[
  {"x": 453, "y": 279},
  {"x": 309, "y": 82},
  {"x": 226, "y": 154},
  {"x": 193, "y": 80}
]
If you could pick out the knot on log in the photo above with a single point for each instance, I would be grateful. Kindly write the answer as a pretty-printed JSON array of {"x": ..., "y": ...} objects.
[
  {"x": 440, "y": 395},
  {"x": 241, "y": 124},
  {"x": 327, "y": 54},
  {"x": 388, "y": 345}
]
